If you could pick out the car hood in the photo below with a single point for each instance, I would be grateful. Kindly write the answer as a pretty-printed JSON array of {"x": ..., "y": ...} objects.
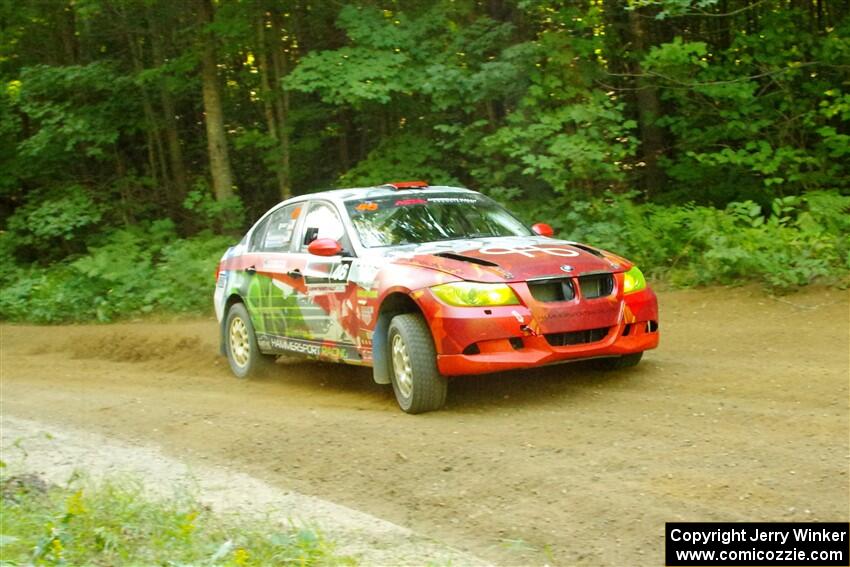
[{"x": 508, "y": 259}]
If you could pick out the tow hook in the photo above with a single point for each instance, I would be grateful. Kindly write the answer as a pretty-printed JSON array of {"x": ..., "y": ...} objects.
[{"x": 527, "y": 331}]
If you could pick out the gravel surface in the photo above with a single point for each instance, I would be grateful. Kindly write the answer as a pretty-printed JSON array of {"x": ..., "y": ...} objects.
[{"x": 741, "y": 414}]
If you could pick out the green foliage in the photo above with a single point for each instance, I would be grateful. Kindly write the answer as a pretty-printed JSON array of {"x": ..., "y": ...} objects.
[
  {"x": 796, "y": 241},
  {"x": 759, "y": 119},
  {"x": 356, "y": 75},
  {"x": 720, "y": 129},
  {"x": 793, "y": 242},
  {"x": 132, "y": 271},
  {"x": 79, "y": 110},
  {"x": 372, "y": 70},
  {"x": 571, "y": 148},
  {"x": 117, "y": 523},
  {"x": 48, "y": 221},
  {"x": 227, "y": 215},
  {"x": 405, "y": 156}
]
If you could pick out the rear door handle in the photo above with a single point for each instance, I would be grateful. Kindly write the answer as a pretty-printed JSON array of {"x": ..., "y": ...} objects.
[
  {"x": 251, "y": 270},
  {"x": 295, "y": 274}
]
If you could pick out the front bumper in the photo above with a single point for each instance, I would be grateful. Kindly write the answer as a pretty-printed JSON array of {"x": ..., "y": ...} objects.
[{"x": 482, "y": 340}]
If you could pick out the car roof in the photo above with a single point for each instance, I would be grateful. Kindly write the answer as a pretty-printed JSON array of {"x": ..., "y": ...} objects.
[{"x": 341, "y": 195}]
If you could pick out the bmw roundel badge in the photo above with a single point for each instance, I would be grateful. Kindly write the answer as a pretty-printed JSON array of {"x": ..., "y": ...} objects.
[{"x": 567, "y": 268}]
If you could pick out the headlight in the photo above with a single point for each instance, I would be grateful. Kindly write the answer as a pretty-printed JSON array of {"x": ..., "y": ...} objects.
[
  {"x": 633, "y": 280},
  {"x": 472, "y": 294}
]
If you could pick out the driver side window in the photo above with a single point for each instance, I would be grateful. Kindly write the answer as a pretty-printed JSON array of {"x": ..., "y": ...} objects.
[{"x": 322, "y": 221}]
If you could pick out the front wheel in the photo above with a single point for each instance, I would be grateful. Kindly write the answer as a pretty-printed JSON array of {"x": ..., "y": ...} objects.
[
  {"x": 240, "y": 344},
  {"x": 417, "y": 383}
]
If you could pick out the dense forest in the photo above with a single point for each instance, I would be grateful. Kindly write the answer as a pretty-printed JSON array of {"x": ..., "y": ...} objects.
[{"x": 708, "y": 139}]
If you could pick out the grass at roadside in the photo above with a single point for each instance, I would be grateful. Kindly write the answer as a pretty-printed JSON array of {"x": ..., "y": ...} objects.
[{"x": 117, "y": 523}]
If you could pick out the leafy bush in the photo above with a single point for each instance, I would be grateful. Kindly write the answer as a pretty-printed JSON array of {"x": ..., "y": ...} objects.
[
  {"x": 399, "y": 158},
  {"x": 132, "y": 271},
  {"x": 53, "y": 223},
  {"x": 118, "y": 524},
  {"x": 798, "y": 241}
]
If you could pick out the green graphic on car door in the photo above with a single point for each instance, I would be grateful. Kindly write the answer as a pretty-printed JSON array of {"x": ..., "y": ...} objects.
[
  {"x": 310, "y": 311},
  {"x": 326, "y": 282},
  {"x": 275, "y": 309}
]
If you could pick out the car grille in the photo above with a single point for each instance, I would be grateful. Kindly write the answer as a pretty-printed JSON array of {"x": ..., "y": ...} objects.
[
  {"x": 596, "y": 285},
  {"x": 552, "y": 290},
  {"x": 576, "y": 337},
  {"x": 563, "y": 289}
]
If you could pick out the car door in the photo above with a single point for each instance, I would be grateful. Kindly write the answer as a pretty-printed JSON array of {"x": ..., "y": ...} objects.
[
  {"x": 324, "y": 296},
  {"x": 275, "y": 274}
]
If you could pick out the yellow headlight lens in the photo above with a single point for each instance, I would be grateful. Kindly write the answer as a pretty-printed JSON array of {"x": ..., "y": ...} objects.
[
  {"x": 472, "y": 294},
  {"x": 633, "y": 280}
]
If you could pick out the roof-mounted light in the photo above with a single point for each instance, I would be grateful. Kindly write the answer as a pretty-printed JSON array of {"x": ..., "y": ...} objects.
[{"x": 406, "y": 185}]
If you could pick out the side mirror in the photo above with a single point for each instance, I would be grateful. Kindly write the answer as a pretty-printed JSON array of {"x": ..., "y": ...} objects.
[
  {"x": 542, "y": 229},
  {"x": 324, "y": 247}
]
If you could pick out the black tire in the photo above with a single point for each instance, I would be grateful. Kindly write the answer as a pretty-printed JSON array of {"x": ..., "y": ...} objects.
[
  {"x": 618, "y": 362},
  {"x": 245, "y": 359},
  {"x": 419, "y": 387}
]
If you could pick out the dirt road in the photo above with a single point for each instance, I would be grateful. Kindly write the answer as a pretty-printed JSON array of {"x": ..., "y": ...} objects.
[{"x": 742, "y": 414}]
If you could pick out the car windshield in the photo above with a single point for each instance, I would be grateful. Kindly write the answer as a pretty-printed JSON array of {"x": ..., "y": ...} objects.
[{"x": 395, "y": 220}]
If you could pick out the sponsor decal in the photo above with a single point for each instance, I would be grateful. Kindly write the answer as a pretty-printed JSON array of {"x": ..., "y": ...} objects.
[
  {"x": 363, "y": 273},
  {"x": 311, "y": 348},
  {"x": 322, "y": 289},
  {"x": 332, "y": 352},
  {"x": 364, "y": 338},
  {"x": 406, "y": 202},
  {"x": 367, "y": 293},
  {"x": 572, "y": 314},
  {"x": 367, "y": 207},
  {"x": 530, "y": 250},
  {"x": 293, "y": 345},
  {"x": 452, "y": 200},
  {"x": 324, "y": 277},
  {"x": 366, "y": 314},
  {"x": 497, "y": 247},
  {"x": 222, "y": 279},
  {"x": 340, "y": 273}
]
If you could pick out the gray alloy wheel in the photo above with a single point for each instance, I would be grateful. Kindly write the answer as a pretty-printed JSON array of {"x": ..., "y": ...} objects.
[
  {"x": 240, "y": 344},
  {"x": 417, "y": 383}
]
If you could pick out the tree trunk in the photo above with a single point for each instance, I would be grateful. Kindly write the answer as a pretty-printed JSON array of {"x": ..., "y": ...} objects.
[
  {"x": 281, "y": 101},
  {"x": 156, "y": 151},
  {"x": 268, "y": 97},
  {"x": 68, "y": 36},
  {"x": 222, "y": 176},
  {"x": 344, "y": 154},
  {"x": 649, "y": 110},
  {"x": 172, "y": 135}
]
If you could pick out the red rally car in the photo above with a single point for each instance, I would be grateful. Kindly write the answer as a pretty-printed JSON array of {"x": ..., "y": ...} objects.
[{"x": 422, "y": 283}]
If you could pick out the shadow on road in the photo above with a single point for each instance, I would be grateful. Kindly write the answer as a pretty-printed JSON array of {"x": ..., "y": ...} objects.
[{"x": 519, "y": 388}]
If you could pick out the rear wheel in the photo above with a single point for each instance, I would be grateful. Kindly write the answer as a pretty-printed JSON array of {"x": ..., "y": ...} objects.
[
  {"x": 615, "y": 363},
  {"x": 417, "y": 383},
  {"x": 240, "y": 344}
]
